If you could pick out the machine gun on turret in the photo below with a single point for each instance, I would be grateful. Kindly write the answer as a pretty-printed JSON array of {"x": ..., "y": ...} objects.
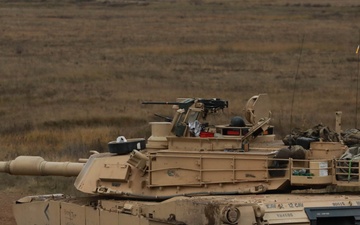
[
  {"x": 211, "y": 105},
  {"x": 189, "y": 110}
]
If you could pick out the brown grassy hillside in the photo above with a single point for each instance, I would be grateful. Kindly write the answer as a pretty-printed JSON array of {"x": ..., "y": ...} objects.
[{"x": 74, "y": 73}]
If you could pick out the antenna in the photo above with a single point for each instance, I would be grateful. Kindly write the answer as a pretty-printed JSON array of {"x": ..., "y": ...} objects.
[
  {"x": 294, "y": 84},
  {"x": 357, "y": 81}
]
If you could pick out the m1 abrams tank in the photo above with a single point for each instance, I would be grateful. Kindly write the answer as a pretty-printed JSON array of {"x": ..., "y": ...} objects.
[{"x": 191, "y": 172}]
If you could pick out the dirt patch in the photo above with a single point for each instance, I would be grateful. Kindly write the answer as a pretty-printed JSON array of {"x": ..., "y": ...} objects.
[{"x": 6, "y": 202}]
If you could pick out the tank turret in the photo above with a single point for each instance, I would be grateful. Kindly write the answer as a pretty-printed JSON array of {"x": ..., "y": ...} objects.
[{"x": 193, "y": 172}]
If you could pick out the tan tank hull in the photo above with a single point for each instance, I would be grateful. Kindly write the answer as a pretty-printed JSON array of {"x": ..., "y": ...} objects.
[{"x": 218, "y": 210}]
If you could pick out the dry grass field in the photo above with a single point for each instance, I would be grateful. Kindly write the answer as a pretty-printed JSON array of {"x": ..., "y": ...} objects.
[{"x": 74, "y": 73}]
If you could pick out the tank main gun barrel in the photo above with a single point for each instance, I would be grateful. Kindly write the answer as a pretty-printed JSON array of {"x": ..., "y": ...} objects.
[{"x": 37, "y": 166}]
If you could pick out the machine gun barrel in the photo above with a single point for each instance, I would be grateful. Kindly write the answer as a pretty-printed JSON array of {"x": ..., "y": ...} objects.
[
  {"x": 161, "y": 103},
  {"x": 37, "y": 166},
  {"x": 166, "y": 118},
  {"x": 209, "y": 104}
]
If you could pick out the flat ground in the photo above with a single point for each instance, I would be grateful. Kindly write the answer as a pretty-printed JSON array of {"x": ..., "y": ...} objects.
[{"x": 74, "y": 72}]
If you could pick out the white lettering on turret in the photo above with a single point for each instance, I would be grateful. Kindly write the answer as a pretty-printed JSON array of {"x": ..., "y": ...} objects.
[
  {"x": 296, "y": 205},
  {"x": 283, "y": 206},
  {"x": 271, "y": 206},
  {"x": 284, "y": 215}
]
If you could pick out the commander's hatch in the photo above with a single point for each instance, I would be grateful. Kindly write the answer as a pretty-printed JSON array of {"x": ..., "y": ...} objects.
[{"x": 257, "y": 109}]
